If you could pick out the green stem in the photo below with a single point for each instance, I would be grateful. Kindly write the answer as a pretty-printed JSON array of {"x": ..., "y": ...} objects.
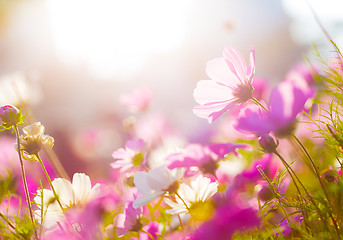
[
  {"x": 151, "y": 211},
  {"x": 259, "y": 103},
  {"x": 294, "y": 177},
  {"x": 276, "y": 194},
  {"x": 320, "y": 182},
  {"x": 301, "y": 184},
  {"x": 24, "y": 180},
  {"x": 9, "y": 223},
  {"x": 149, "y": 234},
  {"x": 49, "y": 180}
]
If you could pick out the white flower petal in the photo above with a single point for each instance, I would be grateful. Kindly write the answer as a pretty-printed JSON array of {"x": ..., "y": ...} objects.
[
  {"x": 146, "y": 198},
  {"x": 81, "y": 187}
]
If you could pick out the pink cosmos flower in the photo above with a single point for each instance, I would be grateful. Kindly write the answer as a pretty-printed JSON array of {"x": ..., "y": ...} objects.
[
  {"x": 138, "y": 100},
  {"x": 252, "y": 176},
  {"x": 129, "y": 221},
  {"x": 130, "y": 156},
  {"x": 226, "y": 221},
  {"x": 286, "y": 101},
  {"x": 230, "y": 84},
  {"x": 152, "y": 228},
  {"x": 203, "y": 157}
]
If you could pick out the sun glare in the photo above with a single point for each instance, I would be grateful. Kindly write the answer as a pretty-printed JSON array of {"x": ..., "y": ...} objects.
[{"x": 113, "y": 37}]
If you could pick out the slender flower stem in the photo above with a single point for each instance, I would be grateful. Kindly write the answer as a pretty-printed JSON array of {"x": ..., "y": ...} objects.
[
  {"x": 307, "y": 193},
  {"x": 289, "y": 170},
  {"x": 294, "y": 178},
  {"x": 149, "y": 234},
  {"x": 151, "y": 211},
  {"x": 276, "y": 194},
  {"x": 316, "y": 170},
  {"x": 56, "y": 163},
  {"x": 320, "y": 182},
  {"x": 49, "y": 180},
  {"x": 9, "y": 223},
  {"x": 181, "y": 224},
  {"x": 259, "y": 103},
  {"x": 157, "y": 204},
  {"x": 177, "y": 194},
  {"x": 322, "y": 27},
  {"x": 24, "y": 180}
]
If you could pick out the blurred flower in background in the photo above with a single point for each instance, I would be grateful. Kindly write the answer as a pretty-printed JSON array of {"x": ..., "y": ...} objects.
[{"x": 70, "y": 61}]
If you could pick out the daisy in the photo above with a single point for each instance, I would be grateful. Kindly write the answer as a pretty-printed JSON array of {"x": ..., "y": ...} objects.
[
  {"x": 191, "y": 199},
  {"x": 77, "y": 193},
  {"x": 230, "y": 84}
]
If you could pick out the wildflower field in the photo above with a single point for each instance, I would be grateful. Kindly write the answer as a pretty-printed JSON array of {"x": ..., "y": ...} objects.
[{"x": 268, "y": 165}]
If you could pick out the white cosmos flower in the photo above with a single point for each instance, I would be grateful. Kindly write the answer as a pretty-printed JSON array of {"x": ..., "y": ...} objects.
[
  {"x": 70, "y": 194},
  {"x": 200, "y": 190},
  {"x": 156, "y": 183},
  {"x": 33, "y": 140}
]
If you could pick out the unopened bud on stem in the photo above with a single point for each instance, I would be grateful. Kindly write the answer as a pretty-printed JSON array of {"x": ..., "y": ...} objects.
[{"x": 267, "y": 143}]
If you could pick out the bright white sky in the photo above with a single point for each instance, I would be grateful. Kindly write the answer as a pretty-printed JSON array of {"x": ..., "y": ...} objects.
[
  {"x": 304, "y": 27},
  {"x": 113, "y": 35}
]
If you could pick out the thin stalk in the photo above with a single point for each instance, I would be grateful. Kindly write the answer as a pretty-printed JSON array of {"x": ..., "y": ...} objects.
[
  {"x": 49, "y": 180},
  {"x": 56, "y": 163},
  {"x": 177, "y": 194},
  {"x": 259, "y": 103},
  {"x": 320, "y": 182},
  {"x": 289, "y": 170},
  {"x": 151, "y": 211},
  {"x": 149, "y": 234},
  {"x": 307, "y": 193},
  {"x": 157, "y": 204},
  {"x": 276, "y": 194},
  {"x": 181, "y": 224},
  {"x": 322, "y": 27},
  {"x": 8, "y": 222},
  {"x": 24, "y": 180},
  {"x": 294, "y": 178}
]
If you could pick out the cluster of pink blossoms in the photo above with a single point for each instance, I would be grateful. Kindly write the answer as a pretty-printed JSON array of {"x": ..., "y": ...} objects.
[{"x": 165, "y": 186}]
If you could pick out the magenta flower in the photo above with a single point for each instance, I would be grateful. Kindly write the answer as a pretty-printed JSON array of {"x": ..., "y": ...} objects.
[
  {"x": 230, "y": 84},
  {"x": 287, "y": 100},
  {"x": 130, "y": 156},
  {"x": 203, "y": 157},
  {"x": 153, "y": 229},
  {"x": 226, "y": 221},
  {"x": 129, "y": 221},
  {"x": 137, "y": 101}
]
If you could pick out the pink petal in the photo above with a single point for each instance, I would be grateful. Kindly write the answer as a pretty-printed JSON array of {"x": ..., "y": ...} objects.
[
  {"x": 286, "y": 101},
  {"x": 251, "y": 67},
  {"x": 208, "y": 91},
  {"x": 253, "y": 119},
  {"x": 121, "y": 153},
  {"x": 212, "y": 111},
  {"x": 236, "y": 63},
  {"x": 219, "y": 71}
]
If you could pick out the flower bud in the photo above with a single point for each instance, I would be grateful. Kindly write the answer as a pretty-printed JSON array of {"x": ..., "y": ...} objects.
[
  {"x": 33, "y": 140},
  {"x": 265, "y": 194},
  {"x": 9, "y": 115},
  {"x": 267, "y": 143}
]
